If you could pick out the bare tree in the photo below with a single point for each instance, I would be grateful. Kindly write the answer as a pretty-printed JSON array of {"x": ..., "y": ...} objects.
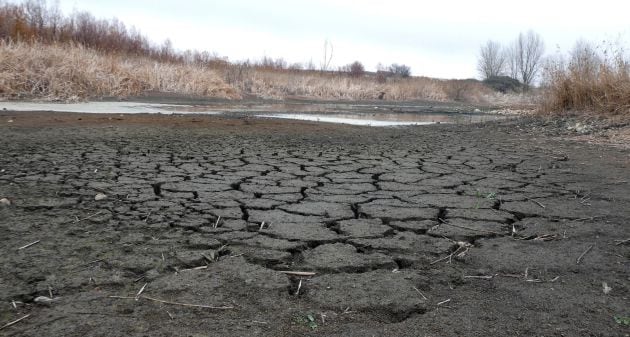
[
  {"x": 526, "y": 56},
  {"x": 310, "y": 65},
  {"x": 400, "y": 70},
  {"x": 328, "y": 54},
  {"x": 35, "y": 10},
  {"x": 491, "y": 60},
  {"x": 55, "y": 20},
  {"x": 511, "y": 62},
  {"x": 585, "y": 61},
  {"x": 354, "y": 69}
]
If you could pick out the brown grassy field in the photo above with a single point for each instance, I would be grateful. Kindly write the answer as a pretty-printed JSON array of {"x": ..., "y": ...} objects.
[
  {"x": 72, "y": 72},
  {"x": 56, "y": 72}
]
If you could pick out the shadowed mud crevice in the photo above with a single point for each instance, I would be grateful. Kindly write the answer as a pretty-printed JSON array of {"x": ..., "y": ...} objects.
[
  {"x": 402, "y": 263},
  {"x": 303, "y": 193},
  {"x": 441, "y": 215},
  {"x": 236, "y": 186},
  {"x": 244, "y": 210},
  {"x": 355, "y": 209},
  {"x": 157, "y": 189}
]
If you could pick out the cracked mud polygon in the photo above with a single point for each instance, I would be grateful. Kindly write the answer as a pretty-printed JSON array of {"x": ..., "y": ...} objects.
[{"x": 448, "y": 230}]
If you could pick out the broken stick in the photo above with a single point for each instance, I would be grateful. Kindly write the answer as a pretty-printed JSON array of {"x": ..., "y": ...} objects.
[
  {"x": 175, "y": 303},
  {"x": 298, "y": 273},
  {"x": 13, "y": 322},
  {"x": 579, "y": 259},
  {"x": 30, "y": 244}
]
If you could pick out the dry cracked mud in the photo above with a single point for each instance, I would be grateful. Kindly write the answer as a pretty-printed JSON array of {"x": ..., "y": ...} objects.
[{"x": 216, "y": 226}]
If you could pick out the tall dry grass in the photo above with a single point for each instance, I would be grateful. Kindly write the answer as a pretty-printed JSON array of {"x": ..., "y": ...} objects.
[
  {"x": 592, "y": 80},
  {"x": 73, "y": 72},
  {"x": 334, "y": 86}
]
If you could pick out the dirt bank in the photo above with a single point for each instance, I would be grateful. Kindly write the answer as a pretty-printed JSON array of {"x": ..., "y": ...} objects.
[{"x": 494, "y": 229}]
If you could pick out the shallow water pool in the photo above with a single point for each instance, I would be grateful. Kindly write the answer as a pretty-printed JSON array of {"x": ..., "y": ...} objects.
[{"x": 340, "y": 113}]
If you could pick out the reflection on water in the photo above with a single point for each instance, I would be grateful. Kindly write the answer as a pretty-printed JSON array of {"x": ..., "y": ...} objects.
[
  {"x": 387, "y": 119},
  {"x": 345, "y": 113},
  {"x": 108, "y": 107}
]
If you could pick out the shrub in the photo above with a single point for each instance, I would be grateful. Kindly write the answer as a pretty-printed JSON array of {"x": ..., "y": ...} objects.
[
  {"x": 400, "y": 70},
  {"x": 503, "y": 84},
  {"x": 357, "y": 69}
]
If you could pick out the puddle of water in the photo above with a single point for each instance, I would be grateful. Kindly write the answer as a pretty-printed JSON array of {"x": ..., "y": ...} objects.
[
  {"x": 342, "y": 113},
  {"x": 387, "y": 119},
  {"x": 108, "y": 107},
  {"x": 348, "y": 119}
]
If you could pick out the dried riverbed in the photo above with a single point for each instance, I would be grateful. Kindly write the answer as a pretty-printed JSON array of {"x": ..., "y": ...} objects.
[{"x": 232, "y": 226}]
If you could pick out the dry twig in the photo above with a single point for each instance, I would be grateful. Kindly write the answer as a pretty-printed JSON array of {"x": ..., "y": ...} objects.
[
  {"x": 579, "y": 259},
  {"x": 421, "y": 294},
  {"x": 175, "y": 303},
  {"x": 297, "y": 292},
  {"x": 462, "y": 247},
  {"x": 482, "y": 277},
  {"x": 140, "y": 291},
  {"x": 298, "y": 273},
  {"x": 468, "y": 228},
  {"x": 88, "y": 217},
  {"x": 29, "y": 244},
  {"x": 444, "y": 302},
  {"x": 14, "y": 322},
  {"x": 537, "y": 203}
]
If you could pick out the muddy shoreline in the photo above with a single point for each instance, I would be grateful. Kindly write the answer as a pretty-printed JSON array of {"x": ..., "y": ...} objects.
[{"x": 492, "y": 229}]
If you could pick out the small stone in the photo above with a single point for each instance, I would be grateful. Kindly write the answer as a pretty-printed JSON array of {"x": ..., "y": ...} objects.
[
  {"x": 5, "y": 202},
  {"x": 607, "y": 289},
  {"x": 10, "y": 121},
  {"x": 44, "y": 300},
  {"x": 100, "y": 196}
]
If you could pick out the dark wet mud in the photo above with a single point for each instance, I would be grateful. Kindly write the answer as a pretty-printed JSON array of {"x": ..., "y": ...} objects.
[{"x": 211, "y": 226}]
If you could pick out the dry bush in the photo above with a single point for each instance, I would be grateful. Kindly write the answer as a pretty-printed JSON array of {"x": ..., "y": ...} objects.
[
  {"x": 71, "y": 72},
  {"x": 590, "y": 81}
]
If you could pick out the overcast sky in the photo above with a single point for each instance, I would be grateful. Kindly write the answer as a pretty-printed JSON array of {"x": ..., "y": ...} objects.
[{"x": 439, "y": 38}]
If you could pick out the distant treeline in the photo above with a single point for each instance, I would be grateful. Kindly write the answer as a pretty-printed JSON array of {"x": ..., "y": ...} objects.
[
  {"x": 35, "y": 21},
  {"x": 49, "y": 55}
]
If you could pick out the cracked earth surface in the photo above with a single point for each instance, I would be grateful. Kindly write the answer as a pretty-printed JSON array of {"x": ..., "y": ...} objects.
[{"x": 446, "y": 230}]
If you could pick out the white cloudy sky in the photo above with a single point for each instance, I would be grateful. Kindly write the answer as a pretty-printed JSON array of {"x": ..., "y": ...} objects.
[{"x": 438, "y": 38}]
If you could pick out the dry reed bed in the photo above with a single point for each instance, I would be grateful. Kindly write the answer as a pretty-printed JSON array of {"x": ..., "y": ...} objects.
[
  {"x": 279, "y": 84},
  {"x": 73, "y": 72},
  {"x": 590, "y": 81}
]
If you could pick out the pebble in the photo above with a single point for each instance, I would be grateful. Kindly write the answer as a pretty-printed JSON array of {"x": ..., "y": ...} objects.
[
  {"x": 5, "y": 202},
  {"x": 44, "y": 300},
  {"x": 100, "y": 196}
]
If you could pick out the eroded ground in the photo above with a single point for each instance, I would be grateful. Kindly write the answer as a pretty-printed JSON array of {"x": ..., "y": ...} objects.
[{"x": 482, "y": 230}]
